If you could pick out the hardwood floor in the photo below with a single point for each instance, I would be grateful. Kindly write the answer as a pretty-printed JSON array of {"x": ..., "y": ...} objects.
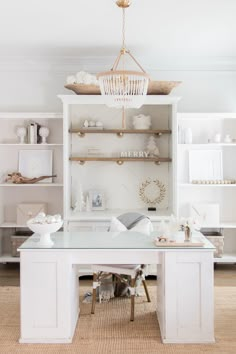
[{"x": 225, "y": 274}]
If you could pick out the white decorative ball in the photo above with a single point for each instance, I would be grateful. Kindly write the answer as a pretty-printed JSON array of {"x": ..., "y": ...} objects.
[
  {"x": 50, "y": 219},
  {"x": 57, "y": 217}
]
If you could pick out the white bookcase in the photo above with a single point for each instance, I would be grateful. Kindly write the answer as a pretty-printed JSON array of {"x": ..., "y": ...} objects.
[
  {"x": 120, "y": 183},
  {"x": 13, "y": 194},
  {"x": 204, "y": 126}
]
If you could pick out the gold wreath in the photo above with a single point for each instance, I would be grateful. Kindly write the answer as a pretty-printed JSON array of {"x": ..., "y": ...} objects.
[{"x": 159, "y": 185}]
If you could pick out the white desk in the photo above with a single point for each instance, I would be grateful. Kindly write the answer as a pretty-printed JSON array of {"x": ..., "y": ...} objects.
[{"x": 49, "y": 284}]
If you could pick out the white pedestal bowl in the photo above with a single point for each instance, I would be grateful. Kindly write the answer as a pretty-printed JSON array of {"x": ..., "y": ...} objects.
[{"x": 44, "y": 230}]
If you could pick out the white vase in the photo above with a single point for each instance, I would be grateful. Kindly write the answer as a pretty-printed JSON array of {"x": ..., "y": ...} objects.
[
  {"x": 142, "y": 122},
  {"x": 88, "y": 208},
  {"x": 217, "y": 138},
  {"x": 227, "y": 139},
  {"x": 188, "y": 136}
]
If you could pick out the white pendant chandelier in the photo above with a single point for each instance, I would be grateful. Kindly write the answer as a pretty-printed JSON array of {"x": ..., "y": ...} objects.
[{"x": 120, "y": 87}]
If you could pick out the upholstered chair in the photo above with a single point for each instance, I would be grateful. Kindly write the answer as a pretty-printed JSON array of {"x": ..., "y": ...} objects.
[{"x": 129, "y": 274}]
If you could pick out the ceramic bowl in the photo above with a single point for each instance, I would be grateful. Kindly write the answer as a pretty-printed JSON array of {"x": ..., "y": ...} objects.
[{"x": 44, "y": 230}]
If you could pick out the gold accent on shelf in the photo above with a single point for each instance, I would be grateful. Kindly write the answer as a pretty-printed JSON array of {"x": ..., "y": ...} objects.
[
  {"x": 156, "y": 160},
  {"x": 120, "y": 132},
  {"x": 119, "y": 162},
  {"x": 81, "y": 134}
]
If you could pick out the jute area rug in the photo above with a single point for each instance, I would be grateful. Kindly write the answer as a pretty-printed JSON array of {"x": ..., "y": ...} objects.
[{"x": 109, "y": 331}]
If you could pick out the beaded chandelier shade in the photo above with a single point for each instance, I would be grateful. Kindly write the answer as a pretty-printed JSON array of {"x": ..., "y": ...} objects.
[{"x": 121, "y": 87}]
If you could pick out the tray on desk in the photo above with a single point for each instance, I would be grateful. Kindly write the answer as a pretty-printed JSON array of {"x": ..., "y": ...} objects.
[{"x": 178, "y": 244}]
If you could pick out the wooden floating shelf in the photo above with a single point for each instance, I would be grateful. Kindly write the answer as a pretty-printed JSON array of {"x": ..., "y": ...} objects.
[
  {"x": 121, "y": 160},
  {"x": 119, "y": 132}
]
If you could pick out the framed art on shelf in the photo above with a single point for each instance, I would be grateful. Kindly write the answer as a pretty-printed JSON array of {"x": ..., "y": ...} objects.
[
  {"x": 97, "y": 200},
  {"x": 36, "y": 163},
  {"x": 205, "y": 165}
]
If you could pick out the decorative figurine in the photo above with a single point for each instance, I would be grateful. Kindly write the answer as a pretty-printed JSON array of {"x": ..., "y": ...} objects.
[
  {"x": 80, "y": 203},
  {"x": 88, "y": 207},
  {"x": 21, "y": 133},
  {"x": 44, "y": 132},
  {"x": 86, "y": 124},
  {"x": 152, "y": 148}
]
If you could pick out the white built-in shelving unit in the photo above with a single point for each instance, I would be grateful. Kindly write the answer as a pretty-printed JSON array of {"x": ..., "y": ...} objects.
[
  {"x": 13, "y": 194},
  {"x": 119, "y": 178},
  {"x": 120, "y": 182},
  {"x": 204, "y": 126}
]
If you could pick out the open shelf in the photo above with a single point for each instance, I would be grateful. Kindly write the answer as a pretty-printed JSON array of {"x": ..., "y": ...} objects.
[
  {"x": 31, "y": 185},
  {"x": 5, "y": 258},
  {"x": 119, "y": 132},
  {"x": 12, "y": 225},
  {"x": 120, "y": 160},
  {"x": 206, "y": 116},
  {"x": 206, "y": 145},
  {"x": 221, "y": 225},
  {"x": 227, "y": 258},
  {"x": 203, "y": 185},
  {"x": 31, "y": 115},
  {"x": 34, "y": 145}
]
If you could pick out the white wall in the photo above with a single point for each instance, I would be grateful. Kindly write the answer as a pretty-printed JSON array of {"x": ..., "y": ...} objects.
[{"x": 30, "y": 84}]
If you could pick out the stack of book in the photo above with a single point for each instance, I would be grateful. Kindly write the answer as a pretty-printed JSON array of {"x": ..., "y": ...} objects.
[{"x": 33, "y": 133}]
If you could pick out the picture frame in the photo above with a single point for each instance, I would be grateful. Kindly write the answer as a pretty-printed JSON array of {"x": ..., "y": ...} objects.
[
  {"x": 205, "y": 165},
  {"x": 96, "y": 199},
  {"x": 36, "y": 163}
]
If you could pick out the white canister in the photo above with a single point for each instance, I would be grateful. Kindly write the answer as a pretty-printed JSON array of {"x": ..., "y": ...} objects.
[
  {"x": 142, "y": 122},
  {"x": 217, "y": 138}
]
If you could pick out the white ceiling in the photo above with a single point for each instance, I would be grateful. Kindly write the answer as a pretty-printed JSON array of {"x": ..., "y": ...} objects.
[{"x": 92, "y": 28}]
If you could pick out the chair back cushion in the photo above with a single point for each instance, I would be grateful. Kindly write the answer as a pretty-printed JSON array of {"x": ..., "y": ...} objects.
[
  {"x": 138, "y": 222},
  {"x": 116, "y": 225}
]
